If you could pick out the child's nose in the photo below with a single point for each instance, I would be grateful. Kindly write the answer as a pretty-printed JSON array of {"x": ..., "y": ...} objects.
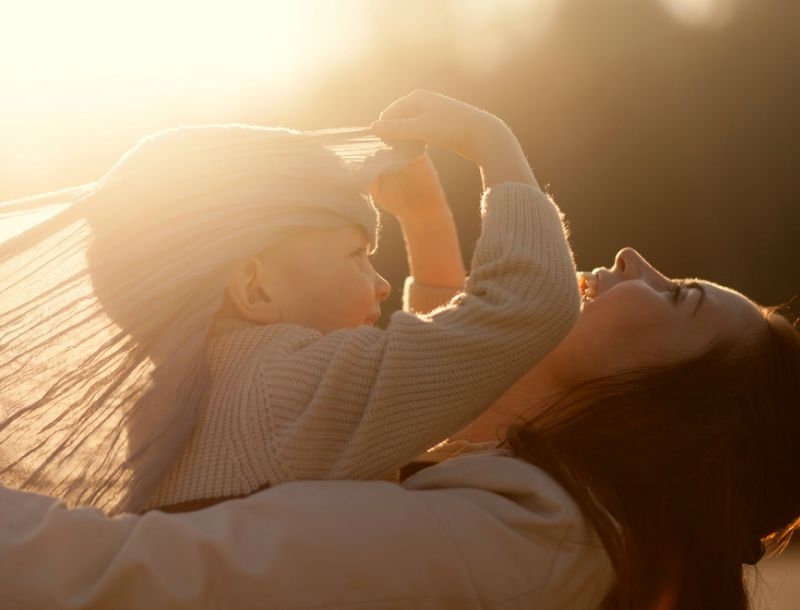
[{"x": 382, "y": 287}]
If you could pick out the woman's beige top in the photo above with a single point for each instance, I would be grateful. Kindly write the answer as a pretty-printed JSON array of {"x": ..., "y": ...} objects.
[
  {"x": 289, "y": 403},
  {"x": 480, "y": 532}
]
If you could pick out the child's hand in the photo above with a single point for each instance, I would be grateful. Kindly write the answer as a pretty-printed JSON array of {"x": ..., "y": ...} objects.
[
  {"x": 438, "y": 120},
  {"x": 474, "y": 134},
  {"x": 415, "y": 196},
  {"x": 411, "y": 193}
]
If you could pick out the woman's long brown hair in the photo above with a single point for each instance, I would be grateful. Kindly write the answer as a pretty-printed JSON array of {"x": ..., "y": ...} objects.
[{"x": 685, "y": 470}]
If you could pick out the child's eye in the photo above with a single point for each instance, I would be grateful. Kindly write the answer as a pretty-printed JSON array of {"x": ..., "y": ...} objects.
[{"x": 361, "y": 252}]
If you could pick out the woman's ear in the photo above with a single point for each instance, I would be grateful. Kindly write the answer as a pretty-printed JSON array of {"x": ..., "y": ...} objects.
[{"x": 249, "y": 294}]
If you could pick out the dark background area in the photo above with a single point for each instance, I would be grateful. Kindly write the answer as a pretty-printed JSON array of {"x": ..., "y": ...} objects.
[{"x": 678, "y": 139}]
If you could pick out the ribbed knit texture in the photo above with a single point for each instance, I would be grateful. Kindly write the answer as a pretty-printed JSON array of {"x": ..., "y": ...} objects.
[{"x": 288, "y": 403}]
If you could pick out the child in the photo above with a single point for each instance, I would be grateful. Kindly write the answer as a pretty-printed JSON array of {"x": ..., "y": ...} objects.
[{"x": 297, "y": 383}]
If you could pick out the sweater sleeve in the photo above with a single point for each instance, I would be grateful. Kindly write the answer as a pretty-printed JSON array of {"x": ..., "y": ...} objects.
[{"x": 358, "y": 403}]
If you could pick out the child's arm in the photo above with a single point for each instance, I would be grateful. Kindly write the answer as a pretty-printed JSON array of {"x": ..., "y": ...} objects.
[
  {"x": 415, "y": 197},
  {"x": 474, "y": 134}
]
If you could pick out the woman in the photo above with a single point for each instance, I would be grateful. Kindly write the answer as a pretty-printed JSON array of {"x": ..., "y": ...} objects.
[
  {"x": 676, "y": 452},
  {"x": 681, "y": 447}
]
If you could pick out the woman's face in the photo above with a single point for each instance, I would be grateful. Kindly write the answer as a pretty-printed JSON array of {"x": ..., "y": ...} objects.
[{"x": 634, "y": 316}]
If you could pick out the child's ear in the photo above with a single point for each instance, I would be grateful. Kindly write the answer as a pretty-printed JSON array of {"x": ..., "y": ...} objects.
[{"x": 249, "y": 294}]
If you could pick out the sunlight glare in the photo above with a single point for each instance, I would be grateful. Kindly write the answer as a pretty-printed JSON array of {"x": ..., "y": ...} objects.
[
  {"x": 272, "y": 41},
  {"x": 701, "y": 12},
  {"x": 487, "y": 31},
  {"x": 95, "y": 66}
]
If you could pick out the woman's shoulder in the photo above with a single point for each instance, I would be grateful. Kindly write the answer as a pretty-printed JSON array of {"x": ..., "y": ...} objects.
[
  {"x": 506, "y": 515},
  {"x": 490, "y": 469}
]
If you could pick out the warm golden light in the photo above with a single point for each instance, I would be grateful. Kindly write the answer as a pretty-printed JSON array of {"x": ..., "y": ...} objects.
[
  {"x": 487, "y": 31},
  {"x": 76, "y": 74},
  {"x": 67, "y": 46},
  {"x": 701, "y": 12}
]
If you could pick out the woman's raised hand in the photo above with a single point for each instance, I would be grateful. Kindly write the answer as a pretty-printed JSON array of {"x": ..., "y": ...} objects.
[{"x": 445, "y": 122}]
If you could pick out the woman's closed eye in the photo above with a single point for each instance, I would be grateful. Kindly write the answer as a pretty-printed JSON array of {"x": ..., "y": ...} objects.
[
  {"x": 681, "y": 286},
  {"x": 676, "y": 288}
]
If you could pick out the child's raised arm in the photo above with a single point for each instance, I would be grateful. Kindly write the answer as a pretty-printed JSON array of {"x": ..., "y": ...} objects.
[
  {"x": 472, "y": 133},
  {"x": 415, "y": 197}
]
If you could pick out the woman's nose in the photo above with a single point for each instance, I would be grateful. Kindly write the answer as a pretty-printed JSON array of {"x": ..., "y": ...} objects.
[
  {"x": 630, "y": 264},
  {"x": 382, "y": 287}
]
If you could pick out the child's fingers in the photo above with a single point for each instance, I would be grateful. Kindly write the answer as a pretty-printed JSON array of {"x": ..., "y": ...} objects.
[
  {"x": 432, "y": 118},
  {"x": 402, "y": 129},
  {"x": 407, "y": 106}
]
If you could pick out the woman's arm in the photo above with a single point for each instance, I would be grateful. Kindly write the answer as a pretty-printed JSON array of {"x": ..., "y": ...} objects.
[{"x": 470, "y": 534}]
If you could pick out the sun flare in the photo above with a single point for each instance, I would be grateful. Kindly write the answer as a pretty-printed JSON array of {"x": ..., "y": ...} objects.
[{"x": 90, "y": 62}]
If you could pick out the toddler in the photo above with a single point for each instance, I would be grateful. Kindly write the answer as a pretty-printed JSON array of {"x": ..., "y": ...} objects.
[{"x": 250, "y": 352}]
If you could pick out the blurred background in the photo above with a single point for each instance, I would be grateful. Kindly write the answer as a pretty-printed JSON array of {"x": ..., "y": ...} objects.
[{"x": 668, "y": 125}]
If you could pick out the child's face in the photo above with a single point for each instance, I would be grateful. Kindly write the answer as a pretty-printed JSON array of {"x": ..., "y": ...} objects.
[{"x": 323, "y": 279}]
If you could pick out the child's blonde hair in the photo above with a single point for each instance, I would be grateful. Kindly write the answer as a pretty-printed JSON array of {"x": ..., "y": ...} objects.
[{"x": 107, "y": 304}]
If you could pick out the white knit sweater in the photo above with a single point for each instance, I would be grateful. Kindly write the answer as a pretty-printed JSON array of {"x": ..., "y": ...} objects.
[{"x": 289, "y": 403}]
